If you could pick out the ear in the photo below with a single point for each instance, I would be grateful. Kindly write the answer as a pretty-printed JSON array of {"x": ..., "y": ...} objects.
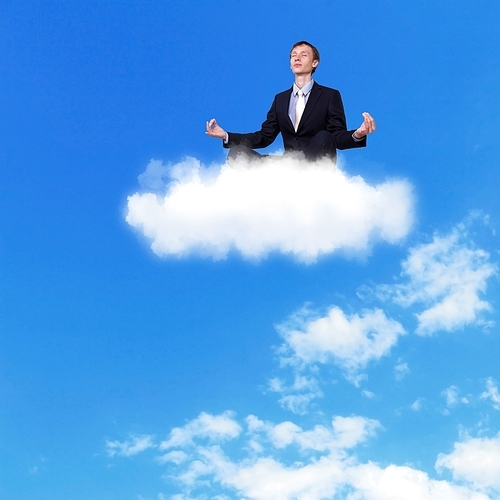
[{"x": 315, "y": 63}]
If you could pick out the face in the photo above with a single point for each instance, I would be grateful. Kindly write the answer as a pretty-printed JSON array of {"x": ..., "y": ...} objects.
[{"x": 301, "y": 60}]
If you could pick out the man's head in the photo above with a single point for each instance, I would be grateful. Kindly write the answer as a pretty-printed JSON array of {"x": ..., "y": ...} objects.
[{"x": 304, "y": 57}]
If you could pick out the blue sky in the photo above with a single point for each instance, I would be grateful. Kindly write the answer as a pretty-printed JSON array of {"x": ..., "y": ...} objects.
[{"x": 174, "y": 328}]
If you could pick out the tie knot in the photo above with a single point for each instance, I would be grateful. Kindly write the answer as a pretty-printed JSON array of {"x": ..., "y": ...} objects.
[{"x": 300, "y": 93}]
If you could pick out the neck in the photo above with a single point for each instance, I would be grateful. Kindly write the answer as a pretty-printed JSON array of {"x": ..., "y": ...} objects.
[{"x": 301, "y": 80}]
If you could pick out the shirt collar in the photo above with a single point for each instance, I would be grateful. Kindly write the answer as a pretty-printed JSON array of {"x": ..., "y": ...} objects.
[{"x": 306, "y": 88}]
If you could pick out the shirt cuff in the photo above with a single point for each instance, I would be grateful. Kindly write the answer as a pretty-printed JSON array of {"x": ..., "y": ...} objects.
[{"x": 355, "y": 139}]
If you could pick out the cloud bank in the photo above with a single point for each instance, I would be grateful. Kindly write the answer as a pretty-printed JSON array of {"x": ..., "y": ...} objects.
[
  {"x": 286, "y": 462},
  {"x": 283, "y": 204}
]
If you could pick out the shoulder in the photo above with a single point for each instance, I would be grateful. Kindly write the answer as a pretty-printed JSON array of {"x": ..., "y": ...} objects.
[
  {"x": 286, "y": 93},
  {"x": 283, "y": 98},
  {"x": 323, "y": 89}
]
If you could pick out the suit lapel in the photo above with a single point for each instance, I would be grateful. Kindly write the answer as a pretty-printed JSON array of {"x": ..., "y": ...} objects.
[
  {"x": 285, "y": 104},
  {"x": 316, "y": 92}
]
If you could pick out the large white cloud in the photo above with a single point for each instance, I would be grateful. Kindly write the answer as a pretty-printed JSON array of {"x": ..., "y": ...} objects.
[{"x": 282, "y": 204}]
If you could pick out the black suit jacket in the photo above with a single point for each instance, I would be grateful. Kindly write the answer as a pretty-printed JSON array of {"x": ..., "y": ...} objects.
[{"x": 324, "y": 111}]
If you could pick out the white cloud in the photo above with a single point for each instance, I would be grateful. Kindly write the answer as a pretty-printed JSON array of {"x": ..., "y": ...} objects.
[
  {"x": 297, "y": 396},
  {"x": 291, "y": 463},
  {"x": 492, "y": 393},
  {"x": 446, "y": 277},
  {"x": 132, "y": 446},
  {"x": 176, "y": 457},
  {"x": 265, "y": 477},
  {"x": 372, "y": 482},
  {"x": 351, "y": 342},
  {"x": 417, "y": 404},
  {"x": 215, "y": 428},
  {"x": 344, "y": 433},
  {"x": 401, "y": 370},
  {"x": 282, "y": 204},
  {"x": 452, "y": 398},
  {"x": 476, "y": 461},
  {"x": 350, "y": 431},
  {"x": 268, "y": 479}
]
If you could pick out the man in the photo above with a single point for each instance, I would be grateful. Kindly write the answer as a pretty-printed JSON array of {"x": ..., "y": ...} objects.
[{"x": 309, "y": 117}]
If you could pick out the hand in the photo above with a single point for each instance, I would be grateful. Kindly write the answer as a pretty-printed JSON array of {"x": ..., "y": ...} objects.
[
  {"x": 367, "y": 127},
  {"x": 213, "y": 129}
]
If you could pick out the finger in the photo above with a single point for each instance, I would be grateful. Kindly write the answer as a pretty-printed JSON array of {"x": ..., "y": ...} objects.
[
  {"x": 209, "y": 129},
  {"x": 211, "y": 125},
  {"x": 368, "y": 125},
  {"x": 369, "y": 122}
]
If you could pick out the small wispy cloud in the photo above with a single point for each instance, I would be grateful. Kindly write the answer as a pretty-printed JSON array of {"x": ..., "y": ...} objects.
[
  {"x": 349, "y": 341},
  {"x": 368, "y": 394},
  {"x": 401, "y": 370},
  {"x": 417, "y": 404},
  {"x": 296, "y": 396},
  {"x": 444, "y": 279},
  {"x": 344, "y": 433},
  {"x": 491, "y": 393},
  {"x": 215, "y": 428},
  {"x": 130, "y": 447},
  {"x": 283, "y": 204},
  {"x": 452, "y": 397}
]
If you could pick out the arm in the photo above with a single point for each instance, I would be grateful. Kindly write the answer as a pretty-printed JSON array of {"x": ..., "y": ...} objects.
[
  {"x": 260, "y": 139},
  {"x": 337, "y": 125}
]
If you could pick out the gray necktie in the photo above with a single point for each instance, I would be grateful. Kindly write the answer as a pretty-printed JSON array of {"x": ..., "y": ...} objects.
[{"x": 299, "y": 108}]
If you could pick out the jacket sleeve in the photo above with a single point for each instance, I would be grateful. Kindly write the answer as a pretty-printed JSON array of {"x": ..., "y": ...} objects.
[
  {"x": 337, "y": 124},
  {"x": 261, "y": 139}
]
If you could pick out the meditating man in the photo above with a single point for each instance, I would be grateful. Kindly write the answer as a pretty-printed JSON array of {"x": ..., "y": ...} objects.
[{"x": 309, "y": 117}]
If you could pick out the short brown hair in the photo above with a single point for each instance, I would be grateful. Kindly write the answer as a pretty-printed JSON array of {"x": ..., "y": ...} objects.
[{"x": 315, "y": 51}]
